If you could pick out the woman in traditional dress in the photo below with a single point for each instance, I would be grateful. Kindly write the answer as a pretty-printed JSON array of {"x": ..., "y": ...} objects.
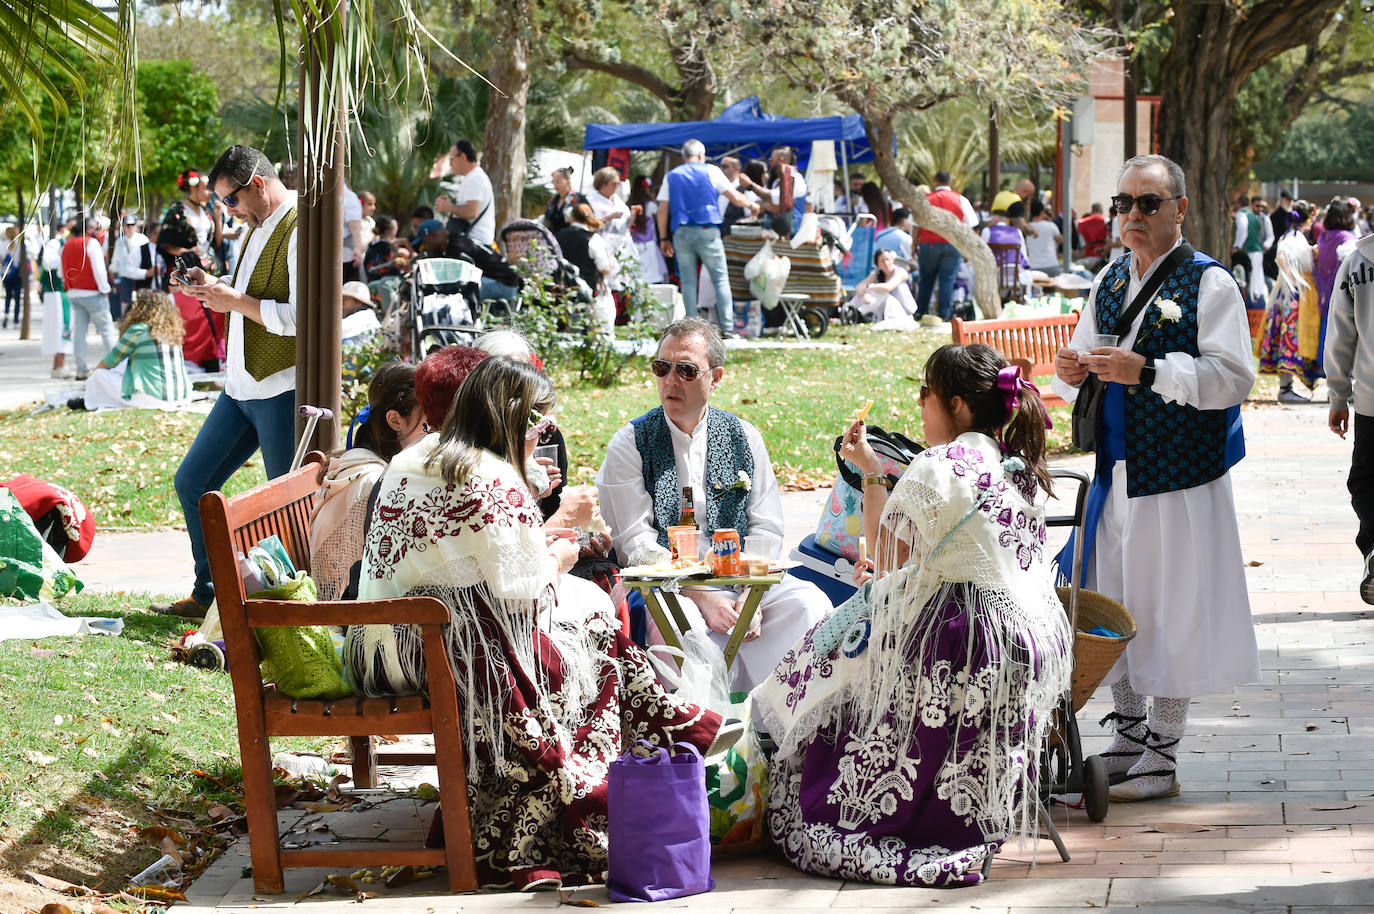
[
  {"x": 909, "y": 723},
  {"x": 644, "y": 232},
  {"x": 1337, "y": 240},
  {"x": 547, "y": 703},
  {"x": 1288, "y": 343},
  {"x": 144, "y": 369},
  {"x": 390, "y": 421}
]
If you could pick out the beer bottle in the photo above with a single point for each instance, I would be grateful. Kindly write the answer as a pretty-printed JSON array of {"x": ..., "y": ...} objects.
[{"x": 689, "y": 511}]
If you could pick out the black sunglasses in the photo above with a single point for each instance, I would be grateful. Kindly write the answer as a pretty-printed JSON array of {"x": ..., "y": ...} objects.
[
  {"x": 231, "y": 200},
  {"x": 685, "y": 370},
  {"x": 1149, "y": 203}
]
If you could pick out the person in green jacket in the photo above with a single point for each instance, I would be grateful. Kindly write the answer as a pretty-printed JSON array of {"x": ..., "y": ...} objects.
[{"x": 145, "y": 369}]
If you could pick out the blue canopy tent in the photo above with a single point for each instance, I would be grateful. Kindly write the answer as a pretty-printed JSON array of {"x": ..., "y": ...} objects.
[{"x": 741, "y": 130}]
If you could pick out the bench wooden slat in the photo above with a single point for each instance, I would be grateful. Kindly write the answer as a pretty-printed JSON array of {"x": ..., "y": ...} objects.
[{"x": 1033, "y": 339}]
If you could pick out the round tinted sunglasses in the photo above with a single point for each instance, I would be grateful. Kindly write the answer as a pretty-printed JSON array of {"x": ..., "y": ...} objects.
[
  {"x": 1149, "y": 203},
  {"x": 685, "y": 370}
]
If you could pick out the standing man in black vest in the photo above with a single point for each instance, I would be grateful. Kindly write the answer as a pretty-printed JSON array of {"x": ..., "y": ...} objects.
[
  {"x": 257, "y": 406},
  {"x": 1161, "y": 533}
]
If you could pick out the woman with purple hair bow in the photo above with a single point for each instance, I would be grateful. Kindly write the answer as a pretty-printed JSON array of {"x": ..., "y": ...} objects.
[{"x": 909, "y": 722}]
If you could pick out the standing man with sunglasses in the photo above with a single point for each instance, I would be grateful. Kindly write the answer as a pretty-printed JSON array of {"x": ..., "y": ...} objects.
[
  {"x": 257, "y": 406},
  {"x": 685, "y": 442},
  {"x": 1161, "y": 533}
]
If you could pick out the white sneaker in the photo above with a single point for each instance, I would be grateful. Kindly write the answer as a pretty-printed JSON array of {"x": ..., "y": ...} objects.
[
  {"x": 1367, "y": 585},
  {"x": 65, "y": 374}
]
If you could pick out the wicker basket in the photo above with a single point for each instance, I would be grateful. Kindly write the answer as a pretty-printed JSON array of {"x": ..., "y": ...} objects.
[{"x": 1094, "y": 655}]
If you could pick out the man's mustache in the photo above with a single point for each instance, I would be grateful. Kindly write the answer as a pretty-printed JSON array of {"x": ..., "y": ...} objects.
[{"x": 1141, "y": 226}]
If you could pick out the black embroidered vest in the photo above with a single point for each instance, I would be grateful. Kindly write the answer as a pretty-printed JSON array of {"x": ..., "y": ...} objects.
[{"x": 727, "y": 455}]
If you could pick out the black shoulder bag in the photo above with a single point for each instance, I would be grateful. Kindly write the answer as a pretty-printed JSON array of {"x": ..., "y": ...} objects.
[{"x": 1087, "y": 407}]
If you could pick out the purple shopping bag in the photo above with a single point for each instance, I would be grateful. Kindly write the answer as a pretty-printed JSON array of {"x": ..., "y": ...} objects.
[{"x": 660, "y": 826}]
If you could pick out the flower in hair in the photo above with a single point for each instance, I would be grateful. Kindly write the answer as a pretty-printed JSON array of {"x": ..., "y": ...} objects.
[{"x": 539, "y": 424}]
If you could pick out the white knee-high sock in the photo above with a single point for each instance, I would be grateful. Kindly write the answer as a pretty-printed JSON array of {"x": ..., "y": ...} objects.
[{"x": 1168, "y": 721}]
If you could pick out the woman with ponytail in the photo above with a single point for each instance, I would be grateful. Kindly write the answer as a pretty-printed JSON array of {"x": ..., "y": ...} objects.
[
  {"x": 909, "y": 722},
  {"x": 391, "y": 421}
]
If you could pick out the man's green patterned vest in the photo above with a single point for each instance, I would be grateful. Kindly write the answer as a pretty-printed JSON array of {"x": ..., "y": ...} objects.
[{"x": 264, "y": 352}]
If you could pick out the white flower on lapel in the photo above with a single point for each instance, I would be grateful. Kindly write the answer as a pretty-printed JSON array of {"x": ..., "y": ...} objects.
[{"x": 1169, "y": 309}]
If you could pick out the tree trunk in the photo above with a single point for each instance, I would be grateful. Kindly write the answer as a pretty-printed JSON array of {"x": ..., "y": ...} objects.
[
  {"x": 26, "y": 276},
  {"x": 503, "y": 143},
  {"x": 949, "y": 226},
  {"x": 1215, "y": 48},
  {"x": 319, "y": 239}
]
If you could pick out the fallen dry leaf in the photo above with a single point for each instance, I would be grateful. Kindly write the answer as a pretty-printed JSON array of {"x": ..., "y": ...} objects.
[
  {"x": 54, "y": 907},
  {"x": 343, "y": 883},
  {"x": 564, "y": 898},
  {"x": 38, "y": 758},
  {"x": 58, "y": 885}
]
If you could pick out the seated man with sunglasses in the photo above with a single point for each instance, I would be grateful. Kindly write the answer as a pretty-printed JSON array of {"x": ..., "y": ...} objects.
[
  {"x": 685, "y": 442},
  {"x": 1161, "y": 532}
]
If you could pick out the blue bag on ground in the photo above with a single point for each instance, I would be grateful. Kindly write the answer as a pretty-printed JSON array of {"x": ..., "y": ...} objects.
[{"x": 660, "y": 826}]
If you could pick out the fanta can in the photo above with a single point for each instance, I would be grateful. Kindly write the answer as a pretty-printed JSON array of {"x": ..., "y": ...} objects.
[{"x": 725, "y": 552}]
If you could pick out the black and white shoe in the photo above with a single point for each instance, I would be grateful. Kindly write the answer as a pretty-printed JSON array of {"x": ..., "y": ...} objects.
[{"x": 1367, "y": 585}]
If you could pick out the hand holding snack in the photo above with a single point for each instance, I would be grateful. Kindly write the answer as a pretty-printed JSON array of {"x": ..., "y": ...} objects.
[{"x": 855, "y": 447}]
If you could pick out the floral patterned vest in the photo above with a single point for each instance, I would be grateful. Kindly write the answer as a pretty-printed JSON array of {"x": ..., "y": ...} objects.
[
  {"x": 727, "y": 455},
  {"x": 1169, "y": 446}
]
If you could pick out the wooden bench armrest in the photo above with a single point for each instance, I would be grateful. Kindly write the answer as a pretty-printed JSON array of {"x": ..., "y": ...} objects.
[{"x": 397, "y": 611}]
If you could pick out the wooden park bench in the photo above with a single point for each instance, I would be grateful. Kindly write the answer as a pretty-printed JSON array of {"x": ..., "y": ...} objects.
[
  {"x": 1032, "y": 342},
  {"x": 282, "y": 507}
]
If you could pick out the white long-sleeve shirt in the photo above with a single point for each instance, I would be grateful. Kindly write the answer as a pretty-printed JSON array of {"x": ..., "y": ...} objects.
[
  {"x": 278, "y": 317},
  {"x": 1222, "y": 373},
  {"x": 628, "y": 509}
]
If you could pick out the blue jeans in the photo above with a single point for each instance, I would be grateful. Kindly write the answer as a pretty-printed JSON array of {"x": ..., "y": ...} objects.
[
  {"x": 695, "y": 244},
  {"x": 493, "y": 289},
  {"x": 232, "y": 432},
  {"x": 937, "y": 261},
  {"x": 88, "y": 308}
]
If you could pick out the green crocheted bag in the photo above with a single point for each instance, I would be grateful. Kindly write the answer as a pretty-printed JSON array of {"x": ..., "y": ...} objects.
[{"x": 301, "y": 660}]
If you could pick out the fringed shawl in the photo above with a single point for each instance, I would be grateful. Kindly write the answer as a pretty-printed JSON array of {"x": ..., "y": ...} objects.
[
  {"x": 976, "y": 540},
  {"x": 480, "y": 547}
]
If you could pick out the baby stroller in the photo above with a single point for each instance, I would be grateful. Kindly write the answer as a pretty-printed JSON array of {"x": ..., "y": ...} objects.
[
  {"x": 534, "y": 251},
  {"x": 446, "y": 304},
  {"x": 851, "y": 250}
]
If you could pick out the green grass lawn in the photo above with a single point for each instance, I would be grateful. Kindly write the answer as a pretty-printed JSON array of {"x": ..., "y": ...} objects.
[{"x": 100, "y": 736}]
